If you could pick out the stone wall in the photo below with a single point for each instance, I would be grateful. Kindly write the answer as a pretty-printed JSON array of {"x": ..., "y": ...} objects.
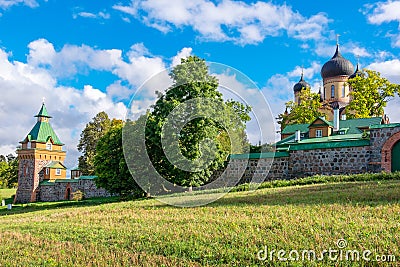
[
  {"x": 58, "y": 190},
  {"x": 347, "y": 160},
  {"x": 379, "y": 137}
]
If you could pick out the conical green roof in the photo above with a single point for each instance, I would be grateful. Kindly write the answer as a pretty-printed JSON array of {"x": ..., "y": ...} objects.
[
  {"x": 43, "y": 112},
  {"x": 42, "y": 132}
]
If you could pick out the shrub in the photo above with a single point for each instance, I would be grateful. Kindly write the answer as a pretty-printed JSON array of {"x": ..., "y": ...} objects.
[{"x": 78, "y": 196}]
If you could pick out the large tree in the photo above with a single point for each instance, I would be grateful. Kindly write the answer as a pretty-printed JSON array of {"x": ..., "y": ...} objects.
[
  {"x": 191, "y": 81},
  {"x": 370, "y": 94},
  {"x": 304, "y": 112},
  {"x": 110, "y": 164},
  {"x": 8, "y": 171},
  {"x": 93, "y": 131}
]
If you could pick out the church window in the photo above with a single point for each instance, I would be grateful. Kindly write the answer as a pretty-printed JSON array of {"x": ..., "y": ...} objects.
[
  {"x": 58, "y": 171},
  {"x": 318, "y": 133},
  {"x": 333, "y": 91},
  {"x": 28, "y": 145},
  {"x": 48, "y": 146},
  {"x": 343, "y": 91}
]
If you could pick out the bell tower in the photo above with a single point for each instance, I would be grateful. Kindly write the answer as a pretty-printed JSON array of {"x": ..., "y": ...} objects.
[{"x": 40, "y": 158}]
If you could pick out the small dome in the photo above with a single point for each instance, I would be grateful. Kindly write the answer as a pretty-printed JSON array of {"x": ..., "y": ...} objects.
[
  {"x": 300, "y": 85},
  {"x": 337, "y": 66},
  {"x": 356, "y": 73}
]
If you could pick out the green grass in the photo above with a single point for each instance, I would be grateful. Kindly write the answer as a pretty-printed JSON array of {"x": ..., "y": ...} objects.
[
  {"x": 6, "y": 194},
  {"x": 228, "y": 232}
]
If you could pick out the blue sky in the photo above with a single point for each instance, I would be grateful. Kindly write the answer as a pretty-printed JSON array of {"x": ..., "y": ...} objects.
[{"x": 88, "y": 56}]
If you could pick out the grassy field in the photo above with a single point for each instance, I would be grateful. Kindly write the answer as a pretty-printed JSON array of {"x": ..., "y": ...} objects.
[
  {"x": 229, "y": 232},
  {"x": 6, "y": 194}
]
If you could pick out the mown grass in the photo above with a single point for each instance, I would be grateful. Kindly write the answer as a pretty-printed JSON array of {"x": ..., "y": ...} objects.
[
  {"x": 228, "y": 232},
  {"x": 6, "y": 194}
]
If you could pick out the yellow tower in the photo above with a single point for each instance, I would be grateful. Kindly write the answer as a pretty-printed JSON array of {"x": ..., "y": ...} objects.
[{"x": 40, "y": 158}]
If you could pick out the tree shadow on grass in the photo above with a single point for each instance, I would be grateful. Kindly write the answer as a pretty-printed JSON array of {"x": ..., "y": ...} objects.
[
  {"x": 38, "y": 206},
  {"x": 371, "y": 193}
]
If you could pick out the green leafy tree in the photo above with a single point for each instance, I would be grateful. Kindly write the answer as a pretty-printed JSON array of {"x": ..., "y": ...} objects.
[
  {"x": 8, "y": 171},
  {"x": 191, "y": 80},
  {"x": 110, "y": 165},
  {"x": 370, "y": 94},
  {"x": 304, "y": 112},
  {"x": 93, "y": 131}
]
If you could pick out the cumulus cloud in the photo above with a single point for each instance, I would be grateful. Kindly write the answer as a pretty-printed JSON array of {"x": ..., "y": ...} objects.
[
  {"x": 5, "y": 4},
  {"x": 228, "y": 20},
  {"x": 184, "y": 53},
  {"x": 385, "y": 12}
]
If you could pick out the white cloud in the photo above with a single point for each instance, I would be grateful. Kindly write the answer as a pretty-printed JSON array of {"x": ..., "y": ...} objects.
[
  {"x": 389, "y": 69},
  {"x": 5, "y": 4},
  {"x": 184, "y": 53},
  {"x": 227, "y": 20},
  {"x": 385, "y": 12},
  {"x": 89, "y": 15}
]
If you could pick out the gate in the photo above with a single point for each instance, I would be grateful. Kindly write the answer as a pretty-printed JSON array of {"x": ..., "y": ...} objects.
[{"x": 396, "y": 157}]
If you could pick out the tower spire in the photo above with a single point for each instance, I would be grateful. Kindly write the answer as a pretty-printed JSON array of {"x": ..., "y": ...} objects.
[{"x": 337, "y": 39}]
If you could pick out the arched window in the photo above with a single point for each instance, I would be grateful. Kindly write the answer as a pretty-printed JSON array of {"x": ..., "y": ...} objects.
[
  {"x": 343, "y": 91},
  {"x": 332, "y": 91}
]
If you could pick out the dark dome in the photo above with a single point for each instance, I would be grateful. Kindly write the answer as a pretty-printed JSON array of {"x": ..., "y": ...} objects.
[
  {"x": 300, "y": 85},
  {"x": 356, "y": 73},
  {"x": 337, "y": 66}
]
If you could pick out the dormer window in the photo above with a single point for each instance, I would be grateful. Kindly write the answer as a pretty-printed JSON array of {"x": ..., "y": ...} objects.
[
  {"x": 58, "y": 171},
  {"x": 47, "y": 171},
  {"x": 318, "y": 133},
  {"x": 49, "y": 146}
]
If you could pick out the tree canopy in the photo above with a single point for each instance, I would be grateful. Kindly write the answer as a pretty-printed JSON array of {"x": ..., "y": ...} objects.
[
  {"x": 8, "y": 171},
  {"x": 304, "y": 112},
  {"x": 110, "y": 165},
  {"x": 199, "y": 136},
  {"x": 370, "y": 94},
  {"x": 93, "y": 131}
]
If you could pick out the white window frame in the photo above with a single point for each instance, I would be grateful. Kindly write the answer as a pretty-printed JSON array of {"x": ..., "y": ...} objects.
[
  {"x": 318, "y": 133},
  {"x": 58, "y": 171},
  {"x": 49, "y": 146},
  {"x": 47, "y": 171}
]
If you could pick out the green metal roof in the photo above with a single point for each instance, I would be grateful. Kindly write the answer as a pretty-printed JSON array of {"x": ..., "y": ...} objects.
[
  {"x": 325, "y": 122},
  {"x": 355, "y": 124},
  {"x": 333, "y": 141},
  {"x": 42, "y": 132},
  {"x": 262, "y": 155},
  {"x": 380, "y": 126},
  {"x": 43, "y": 112},
  {"x": 55, "y": 165},
  {"x": 352, "y": 124},
  {"x": 292, "y": 128},
  {"x": 87, "y": 177}
]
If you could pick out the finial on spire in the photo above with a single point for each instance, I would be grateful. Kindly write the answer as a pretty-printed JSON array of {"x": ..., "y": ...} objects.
[
  {"x": 337, "y": 39},
  {"x": 43, "y": 100}
]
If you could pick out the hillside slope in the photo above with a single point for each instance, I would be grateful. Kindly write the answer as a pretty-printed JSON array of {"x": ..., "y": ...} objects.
[{"x": 228, "y": 232}]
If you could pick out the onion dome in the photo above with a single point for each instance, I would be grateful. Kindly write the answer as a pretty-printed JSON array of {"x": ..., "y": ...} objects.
[
  {"x": 337, "y": 66},
  {"x": 356, "y": 73},
  {"x": 300, "y": 85}
]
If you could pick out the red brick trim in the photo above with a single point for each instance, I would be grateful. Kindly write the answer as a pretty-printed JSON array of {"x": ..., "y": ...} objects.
[{"x": 387, "y": 152}]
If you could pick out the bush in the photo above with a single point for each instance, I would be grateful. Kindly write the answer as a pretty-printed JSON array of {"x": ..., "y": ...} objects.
[{"x": 78, "y": 196}]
